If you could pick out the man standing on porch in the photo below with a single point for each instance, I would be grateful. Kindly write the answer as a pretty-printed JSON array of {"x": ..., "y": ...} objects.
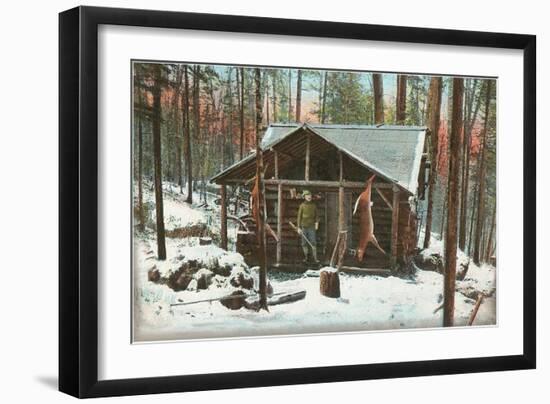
[{"x": 308, "y": 223}]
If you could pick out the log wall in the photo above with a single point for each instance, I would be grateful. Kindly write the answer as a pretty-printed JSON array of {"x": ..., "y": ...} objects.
[{"x": 291, "y": 250}]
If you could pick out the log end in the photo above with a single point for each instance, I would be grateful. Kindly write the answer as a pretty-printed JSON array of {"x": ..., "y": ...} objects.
[{"x": 329, "y": 282}]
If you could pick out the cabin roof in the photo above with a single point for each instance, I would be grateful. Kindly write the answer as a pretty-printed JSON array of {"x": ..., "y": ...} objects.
[{"x": 394, "y": 152}]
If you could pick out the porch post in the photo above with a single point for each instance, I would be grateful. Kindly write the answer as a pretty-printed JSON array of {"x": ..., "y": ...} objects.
[
  {"x": 394, "y": 225},
  {"x": 341, "y": 196},
  {"x": 223, "y": 216},
  {"x": 279, "y": 223},
  {"x": 276, "y": 158}
]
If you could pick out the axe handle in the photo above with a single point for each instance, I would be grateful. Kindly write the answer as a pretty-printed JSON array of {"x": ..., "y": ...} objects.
[{"x": 300, "y": 233}]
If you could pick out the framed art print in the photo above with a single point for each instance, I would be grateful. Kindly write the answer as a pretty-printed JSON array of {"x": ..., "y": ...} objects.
[{"x": 251, "y": 201}]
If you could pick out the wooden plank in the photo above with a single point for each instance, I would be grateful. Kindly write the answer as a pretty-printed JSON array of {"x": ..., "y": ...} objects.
[
  {"x": 287, "y": 298},
  {"x": 223, "y": 216},
  {"x": 476, "y": 308},
  {"x": 384, "y": 198},
  {"x": 320, "y": 184},
  {"x": 366, "y": 271}
]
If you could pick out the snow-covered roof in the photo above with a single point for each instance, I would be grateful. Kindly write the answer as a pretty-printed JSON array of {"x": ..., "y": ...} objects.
[{"x": 394, "y": 152}]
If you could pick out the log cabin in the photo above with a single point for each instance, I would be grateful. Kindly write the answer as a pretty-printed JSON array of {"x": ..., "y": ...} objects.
[{"x": 334, "y": 163}]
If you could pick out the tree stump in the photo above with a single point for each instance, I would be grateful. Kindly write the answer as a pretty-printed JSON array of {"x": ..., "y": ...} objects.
[
  {"x": 329, "y": 284},
  {"x": 205, "y": 240}
]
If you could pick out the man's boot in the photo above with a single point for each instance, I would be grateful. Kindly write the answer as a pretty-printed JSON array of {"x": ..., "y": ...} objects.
[{"x": 314, "y": 253}]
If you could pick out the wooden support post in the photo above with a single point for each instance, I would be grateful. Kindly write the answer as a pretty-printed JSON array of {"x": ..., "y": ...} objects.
[
  {"x": 394, "y": 225},
  {"x": 223, "y": 216},
  {"x": 276, "y": 157},
  {"x": 341, "y": 163},
  {"x": 308, "y": 141},
  {"x": 341, "y": 210},
  {"x": 341, "y": 196},
  {"x": 279, "y": 223}
]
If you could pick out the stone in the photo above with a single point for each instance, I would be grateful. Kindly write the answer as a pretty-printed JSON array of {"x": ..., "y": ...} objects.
[
  {"x": 241, "y": 277},
  {"x": 235, "y": 300},
  {"x": 153, "y": 275},
  {"x": 205, "y": 241},
  {"x": 204, "y": 278}
]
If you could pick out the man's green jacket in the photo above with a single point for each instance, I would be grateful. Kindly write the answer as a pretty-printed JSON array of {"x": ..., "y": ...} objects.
[{"x": 307, "y": 214}]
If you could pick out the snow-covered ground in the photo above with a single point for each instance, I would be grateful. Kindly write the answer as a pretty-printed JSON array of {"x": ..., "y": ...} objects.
[
  {"x": 366, "y": 303},
  {"x": 179, "y": 214},
  {"x": 482, "y": 279}
]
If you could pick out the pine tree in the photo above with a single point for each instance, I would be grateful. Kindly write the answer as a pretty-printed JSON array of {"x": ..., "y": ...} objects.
[
  {"x": 481, "y": 175},
  {"x": 469, "y": 120},
  {"x": 452, "y": 208},
  {"x": 324, "y": 98},
  {"x": 433, "y": 120},
  {"x": 401, "y": 100},
  {"x": 241, "y": 115},
  {"x": 187, "y": 136},
  {"x": 262, "y": 253},
  {"x": 299, "y": 96},
  {"x": 378, "y": 89},
  {"x": 157, "y": 113}
]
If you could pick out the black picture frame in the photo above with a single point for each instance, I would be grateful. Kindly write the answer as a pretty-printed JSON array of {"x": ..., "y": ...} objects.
[{"x": 78, "y": 201}]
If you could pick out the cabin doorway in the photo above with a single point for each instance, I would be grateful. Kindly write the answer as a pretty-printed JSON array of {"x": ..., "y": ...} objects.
[{"x": 331, "y": 218}]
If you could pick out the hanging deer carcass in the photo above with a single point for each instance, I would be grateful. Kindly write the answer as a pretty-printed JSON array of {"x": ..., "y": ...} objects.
[{"x": 366, "y": 226}]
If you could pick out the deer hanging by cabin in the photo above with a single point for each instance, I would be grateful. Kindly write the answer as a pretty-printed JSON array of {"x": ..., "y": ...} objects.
[{"x": 366, "y": 223}]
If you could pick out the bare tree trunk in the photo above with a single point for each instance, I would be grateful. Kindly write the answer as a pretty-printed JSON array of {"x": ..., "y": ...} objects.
[
  {"x": 378, "y": 87},
  {"x": 177, "y": 129},
  {"x": 266, "y": 77},
  {"x": 299, "y": 97},
  {"x": 187, "y": 137},
  {"x": 230, "y": 120},
  {"x": 289, "y": 95},
  {"x": 481, "y": 173},
  {"x": 161, "y": 242},
  {"x": 452, "y": 209},
  {"x": 197, "y": 120},
  {"x": 472, "y": 220},
  {"x": 274, "y": 87},
  {"x": 434, "y": 110},
  {"x": 324, "y": 102},
  {"x": 141, "y": 215},
  {"x": 241, "y": 112},
  {"x": 262, "y": 254},
  {"x": 444, "y": 213},
  {"x": 489, "y": 246},
  {"x": 401, "y": 99},
  {"x": 469, "y": 123}
]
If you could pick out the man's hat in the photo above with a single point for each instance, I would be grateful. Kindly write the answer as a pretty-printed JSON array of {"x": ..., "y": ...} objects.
[{"x": 306, "y": 192}]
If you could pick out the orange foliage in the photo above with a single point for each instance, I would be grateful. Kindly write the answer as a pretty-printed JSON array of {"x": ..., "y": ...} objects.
[{"x": 443, "y": 137}]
